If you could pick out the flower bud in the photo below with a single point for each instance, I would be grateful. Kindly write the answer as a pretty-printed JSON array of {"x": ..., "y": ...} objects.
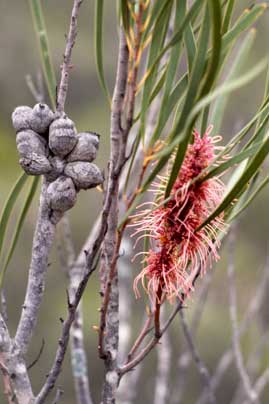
[
  {"x": 85, "y": 175},
  {"x": 61, "y": 194},
  {"x": 86, "y": 147},
  {"x": 57, "y": 168},
  {"x": 21, "y": 118},
  {"x": 41, "y": 118},
  {"x": 62, "y": 136}
]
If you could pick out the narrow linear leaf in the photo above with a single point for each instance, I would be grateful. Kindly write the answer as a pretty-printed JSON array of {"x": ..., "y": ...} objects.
[
  {"x": 241, "y": 183},
  {"x": 124, "y": 14},
  {"x": 234, "y": 71},
  {"x": 10, "y": 202},
  {"x": 249, "y": 200},
  {"x": 191, "y": 97},
  {"x": 218, "y": 92},
  {"x": 98, "y": 46},
  {"x": 40, "y": 28},
  {"x": 231, "y": 162},
  {"x": 18, "y": 227},
  {"x": 228, "y": 16}
]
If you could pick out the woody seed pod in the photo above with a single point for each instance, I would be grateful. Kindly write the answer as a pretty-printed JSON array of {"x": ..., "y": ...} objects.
[
  {"x": 62, "y": 136},
  {"x": 28, "y": 142},
  {"x": 61, "y": 194},
  {"x": 35, "y": 164},
  {"x": 21, "y": 118},
  {"x": 41, "y": 118},
  {"x": 86, "y": 147},
  {"x": 57, "y": 168},
  {"x": 85, "y": 175},
  {"x": 33, "y": 151}
]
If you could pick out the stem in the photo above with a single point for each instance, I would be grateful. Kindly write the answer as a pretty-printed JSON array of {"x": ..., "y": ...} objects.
[
  {"x": 77, "y": 348},
  {"x": 43, "y": 238},
  {"x": 66, "y": 66}
]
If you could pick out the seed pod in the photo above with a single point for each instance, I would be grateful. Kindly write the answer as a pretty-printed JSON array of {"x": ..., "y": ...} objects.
[
  {"x": 21, "y": 118},
  {"x": 33, "y": 151},
  {"x": 57, "y": 168},
  {"x": 30, "y": 142},
  {"x": 62, "y": 136},
  {"x": 86, "y": 147},
  {"x": 61, "y": 194},
  {"x": 35, "y": 164},
  {"x": 41, "y": 118},
  {"x": 85, "y": 175}
]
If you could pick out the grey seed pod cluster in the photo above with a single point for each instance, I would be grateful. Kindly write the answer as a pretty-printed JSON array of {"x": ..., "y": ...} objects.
[
  {"x": 62, "y": 136},
  {"x": 48, "y": 144},
  {"x": 86, "y": 147},
  {"x": 85, "y": 175}
]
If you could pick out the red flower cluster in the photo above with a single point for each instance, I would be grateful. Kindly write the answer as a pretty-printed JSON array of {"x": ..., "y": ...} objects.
[{"x": 177, "y": 251}]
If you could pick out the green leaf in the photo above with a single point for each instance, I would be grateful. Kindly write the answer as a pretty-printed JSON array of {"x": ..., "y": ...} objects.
[
  {"x": 243, "y": 155},
  {"x": 18, "y": 227},
  {"x": 175, "y": 38},
  {"x": 191, "y": 96},
  {"x": 124, "y": 14},
  {"x": 190, "y": 45},
  {"x": 241, "y": 208},
  {"x": 98, "y": 45},
  {"x": 241, "y": 183},
  {"x": 158, "y": 37},
  {"x": 227, "y": 88},
  {"x": 10, "y": 202},
  {"x": 159, "y": 7},
  {"x": 228, "y": 16},
  {"x": 245, "y": 21},
  {"x": 235, "y": 69},
  {"x": 40, "y": 28},
  {"x": 174, "y": 99}
]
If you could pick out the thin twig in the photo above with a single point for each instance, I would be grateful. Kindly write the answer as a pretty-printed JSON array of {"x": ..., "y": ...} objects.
[
  {"x": 66, "y": 66},
  {"x": 202, "y": 369},
  {"x": 36, "y": 90},
  {"x": 249, "y": 391},
  {"x": 129, "y": 365},
  {"x": 59, "y": 394},
  {"x": 253, "y": 308},
  {"x": 32, "y": 364},
  {"x": 164, "y": 355},
  {"x": 185, "y": 358},
  {"x": 77, "y": 348}
]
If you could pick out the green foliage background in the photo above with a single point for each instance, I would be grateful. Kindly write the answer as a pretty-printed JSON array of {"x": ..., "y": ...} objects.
[{"x": 88, "y": 107}]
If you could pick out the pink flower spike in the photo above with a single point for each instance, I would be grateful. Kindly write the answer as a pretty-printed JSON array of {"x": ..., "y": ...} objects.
[{"x": 178, "y": 251}]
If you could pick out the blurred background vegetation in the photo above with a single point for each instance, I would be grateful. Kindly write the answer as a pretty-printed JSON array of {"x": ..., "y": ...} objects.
[{"x": 87, "y": 106}]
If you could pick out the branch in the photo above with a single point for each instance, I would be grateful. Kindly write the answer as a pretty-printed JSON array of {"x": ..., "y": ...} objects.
[
  {"x": 185, "y": 358},
  {"x": 109, "y": 321},
  {"x": 43, "y": 238},
  {"x": 129, "y": 365},
  {"x": 253, "y": 308},
  {"x": 202, "y": 369},
  {"x": 66, "y": 66},
  {"x": 163, "y": 370},
  {"x": 77, "y": 348},
  {"x": 249, "y": 391}
]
